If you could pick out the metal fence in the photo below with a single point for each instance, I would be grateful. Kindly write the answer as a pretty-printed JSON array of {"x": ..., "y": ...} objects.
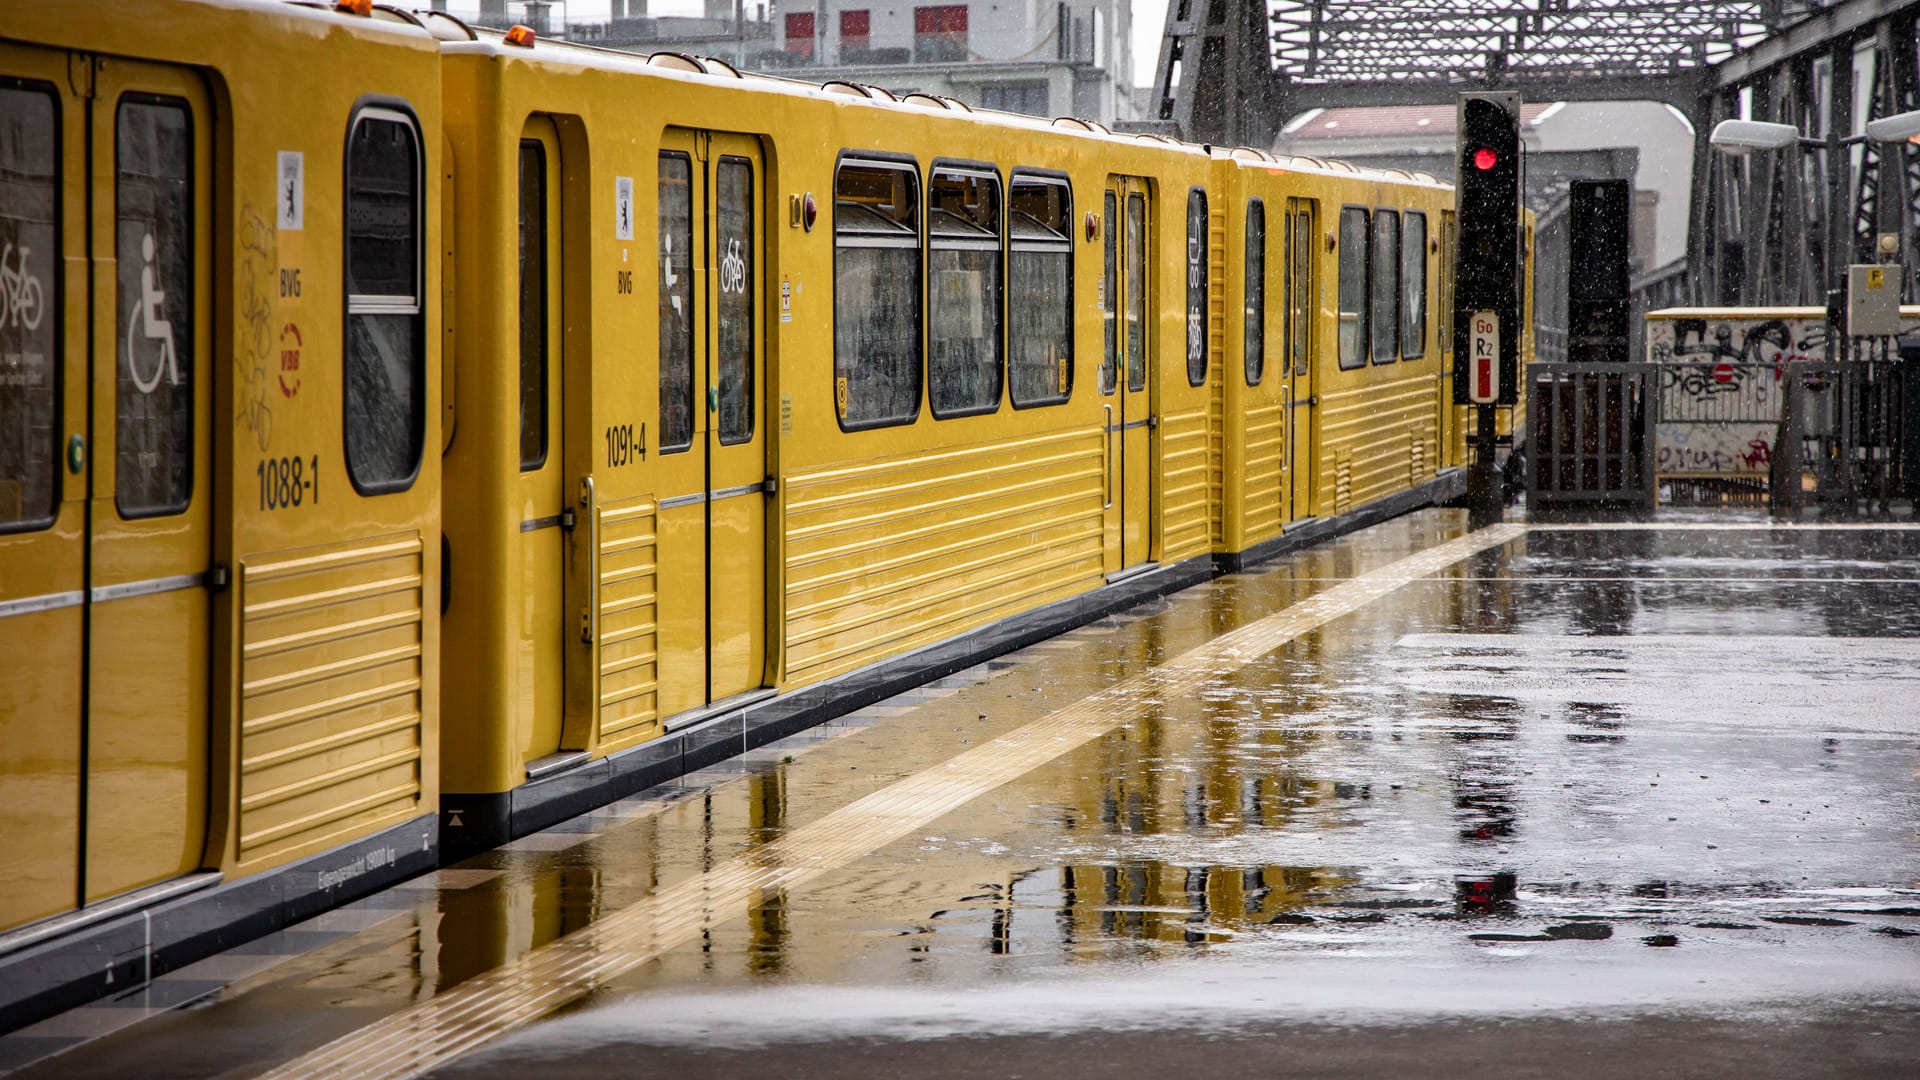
[{"x": 1625, "y": 436}]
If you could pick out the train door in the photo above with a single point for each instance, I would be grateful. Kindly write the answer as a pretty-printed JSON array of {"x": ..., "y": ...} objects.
[
  {"x": 106, "y": 480},
  {"x": 1448, "y": 420},
  {"x": 1302, "y": 309},
  {"x": 544, "y": 647},
  {"x": 712, "y": 523},
  {"x": 1127, "y": 374}
]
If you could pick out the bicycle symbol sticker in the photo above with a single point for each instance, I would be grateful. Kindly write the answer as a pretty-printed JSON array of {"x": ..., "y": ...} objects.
[
  {"x": 155, "y": 338},
  {"x": 20, "y": 292},
  {"x": 733, "y": 269}
]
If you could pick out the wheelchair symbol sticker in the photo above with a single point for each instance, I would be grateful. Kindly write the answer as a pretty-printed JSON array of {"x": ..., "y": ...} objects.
[{"x": 149, "y": 337}]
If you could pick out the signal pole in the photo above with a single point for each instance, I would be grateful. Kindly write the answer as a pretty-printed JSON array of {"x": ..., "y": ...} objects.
[{"x": 1488, "y": 265}]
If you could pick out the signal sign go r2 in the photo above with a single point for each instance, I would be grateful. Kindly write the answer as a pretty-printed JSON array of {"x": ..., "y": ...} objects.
[{"x": 1483, "y": 371}]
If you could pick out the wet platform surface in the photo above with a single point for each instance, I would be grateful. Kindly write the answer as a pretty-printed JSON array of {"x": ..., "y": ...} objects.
[{"x": 1638, "y": 800}]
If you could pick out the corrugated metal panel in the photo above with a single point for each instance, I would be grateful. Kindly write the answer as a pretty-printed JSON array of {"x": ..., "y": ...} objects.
[
  {"x": 1186, "y": 488},
  {"x": 1266, "y": 428},
  {"x": 1371, "y": 424},
  {"x": 629, "y": 623},
  {"x": 331, "y": 665},
  {"x": 887, "y": 556}
]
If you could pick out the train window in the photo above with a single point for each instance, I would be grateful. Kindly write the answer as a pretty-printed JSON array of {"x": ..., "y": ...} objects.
[
  {"x": 737, "y": 287},
  {"x": 963, "y": 305},
  {"x": 676, "y": 301},
  {"x": 1300, "y": 305},
  {"x": 1040, "y": 288},
  {"x": 1254, "y": 333},
  {"x": 1413, "y": 287},
  {"x": 30, "y": 337},
  {"x": 1196, "y": 287},
  {"x": 1136, "y": 292},
  {"x": 533, "y": 304},
  {"x": 876, "y": 293},
  {"x": 153, "y": 246},
  {"x": 385, "y": 354},
  {"x": 1385, "y": 286},
  {"x": 1353, "y": 287},
  {"x": 1110, "y": 293}
]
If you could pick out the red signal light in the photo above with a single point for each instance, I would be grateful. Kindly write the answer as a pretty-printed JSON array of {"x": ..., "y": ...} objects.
[{"x": 1484, "y": 159}]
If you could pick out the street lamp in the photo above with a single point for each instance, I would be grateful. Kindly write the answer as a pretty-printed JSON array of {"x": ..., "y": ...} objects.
[
  {"x": 1745, "y": 136},
  {"x": 1740, "y": 137}
]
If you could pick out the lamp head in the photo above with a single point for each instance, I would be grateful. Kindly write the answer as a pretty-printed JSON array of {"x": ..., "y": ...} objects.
[
  {"x": 1746, "y": 136},
  {"x": 1902, "y": 127}
]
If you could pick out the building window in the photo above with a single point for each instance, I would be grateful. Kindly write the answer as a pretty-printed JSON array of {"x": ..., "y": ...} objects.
[
  {"x": 876, "y": 293},
  {"x": 939, "y": 33},
  {"x": 1019, "y": 97},
  {"x": 799, "y": 40},
  {"x": 854, "y": 29}
]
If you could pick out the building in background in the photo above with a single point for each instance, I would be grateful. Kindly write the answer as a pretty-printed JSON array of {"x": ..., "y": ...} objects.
[{"x": 1041, "y": 57}]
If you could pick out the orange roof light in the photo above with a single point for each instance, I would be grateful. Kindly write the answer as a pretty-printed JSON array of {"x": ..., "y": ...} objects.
[
  {"x": 354, "y": 7},
  {"x": 521, "y": 35}
]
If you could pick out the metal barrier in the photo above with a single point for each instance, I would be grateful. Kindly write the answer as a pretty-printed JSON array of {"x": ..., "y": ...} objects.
[
  {"x": 1590, "y": 446},
  {"x": 1624, "y": 436}
]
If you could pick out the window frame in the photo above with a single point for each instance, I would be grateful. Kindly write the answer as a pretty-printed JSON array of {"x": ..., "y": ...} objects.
[
  {"x": 52, "y": 305},
  {"x": 1057, "y": 178},
  {"x": 1365, "y": 307},
  {"x": 194, "y": 279},
  {"x": 1410, "y": 256},
  {"x": 390, "y": 109},
  {"x": 1253, "y": 295},
  {"x": 1381, "y": 215},
  {"x": 1201, "y": 313},
  {"x": 911, "y": 166},
  {"x": 544, "y": 377},
  {"x": 929, "y": 242},
  {"x": 688, "y": 358}
]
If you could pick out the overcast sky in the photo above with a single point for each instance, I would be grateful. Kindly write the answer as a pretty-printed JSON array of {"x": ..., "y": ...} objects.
[{"x": 1149, "y": 18}]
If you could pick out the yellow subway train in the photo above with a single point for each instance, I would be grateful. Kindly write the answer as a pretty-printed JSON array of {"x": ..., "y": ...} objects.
[{"x": 413, "y": 435}]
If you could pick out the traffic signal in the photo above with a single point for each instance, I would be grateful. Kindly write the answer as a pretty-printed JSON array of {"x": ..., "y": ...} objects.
[{"x": 1489, "y": 257}]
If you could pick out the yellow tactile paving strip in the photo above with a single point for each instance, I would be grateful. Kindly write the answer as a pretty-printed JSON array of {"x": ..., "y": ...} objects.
[{"x": 434, "y": 1032}]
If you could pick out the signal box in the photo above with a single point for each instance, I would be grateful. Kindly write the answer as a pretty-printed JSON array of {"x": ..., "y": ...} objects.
[{"x": 1487, "y": 273}]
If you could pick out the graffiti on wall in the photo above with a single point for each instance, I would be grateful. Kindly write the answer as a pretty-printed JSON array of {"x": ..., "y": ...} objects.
[{"x": 1720, "y": 400}]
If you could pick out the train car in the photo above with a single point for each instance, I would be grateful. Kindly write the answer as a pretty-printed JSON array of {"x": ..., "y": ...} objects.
[
  {"x": 898, "y": 381},
  {"x": 219, "y": 478},
  {"x": 1338, "y": 399}
]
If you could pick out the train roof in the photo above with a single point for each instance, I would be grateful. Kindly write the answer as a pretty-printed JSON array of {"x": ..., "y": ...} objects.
[{"x": 458, "y": 38}]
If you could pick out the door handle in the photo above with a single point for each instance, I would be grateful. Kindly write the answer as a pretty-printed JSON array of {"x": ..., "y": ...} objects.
[
  {"x": 1286, "y": 430},
  {"x": 590, "y": 613},
  {"x": 1106, "y": 460}
]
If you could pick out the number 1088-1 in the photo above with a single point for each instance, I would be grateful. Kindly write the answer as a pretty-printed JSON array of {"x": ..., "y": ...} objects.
[{"x": 288, "y": 482}]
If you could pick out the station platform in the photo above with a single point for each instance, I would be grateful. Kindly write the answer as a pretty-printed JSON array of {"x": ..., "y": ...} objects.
[{"x": 1538, "y": 799}]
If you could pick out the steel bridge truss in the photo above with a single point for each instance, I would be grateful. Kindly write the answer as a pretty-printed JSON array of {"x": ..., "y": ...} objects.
[{"x": 1764, "y": 227}]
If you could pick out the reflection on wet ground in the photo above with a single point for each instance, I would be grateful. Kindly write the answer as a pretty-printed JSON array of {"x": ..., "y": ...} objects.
[{"x": 1663, "y": 770}]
